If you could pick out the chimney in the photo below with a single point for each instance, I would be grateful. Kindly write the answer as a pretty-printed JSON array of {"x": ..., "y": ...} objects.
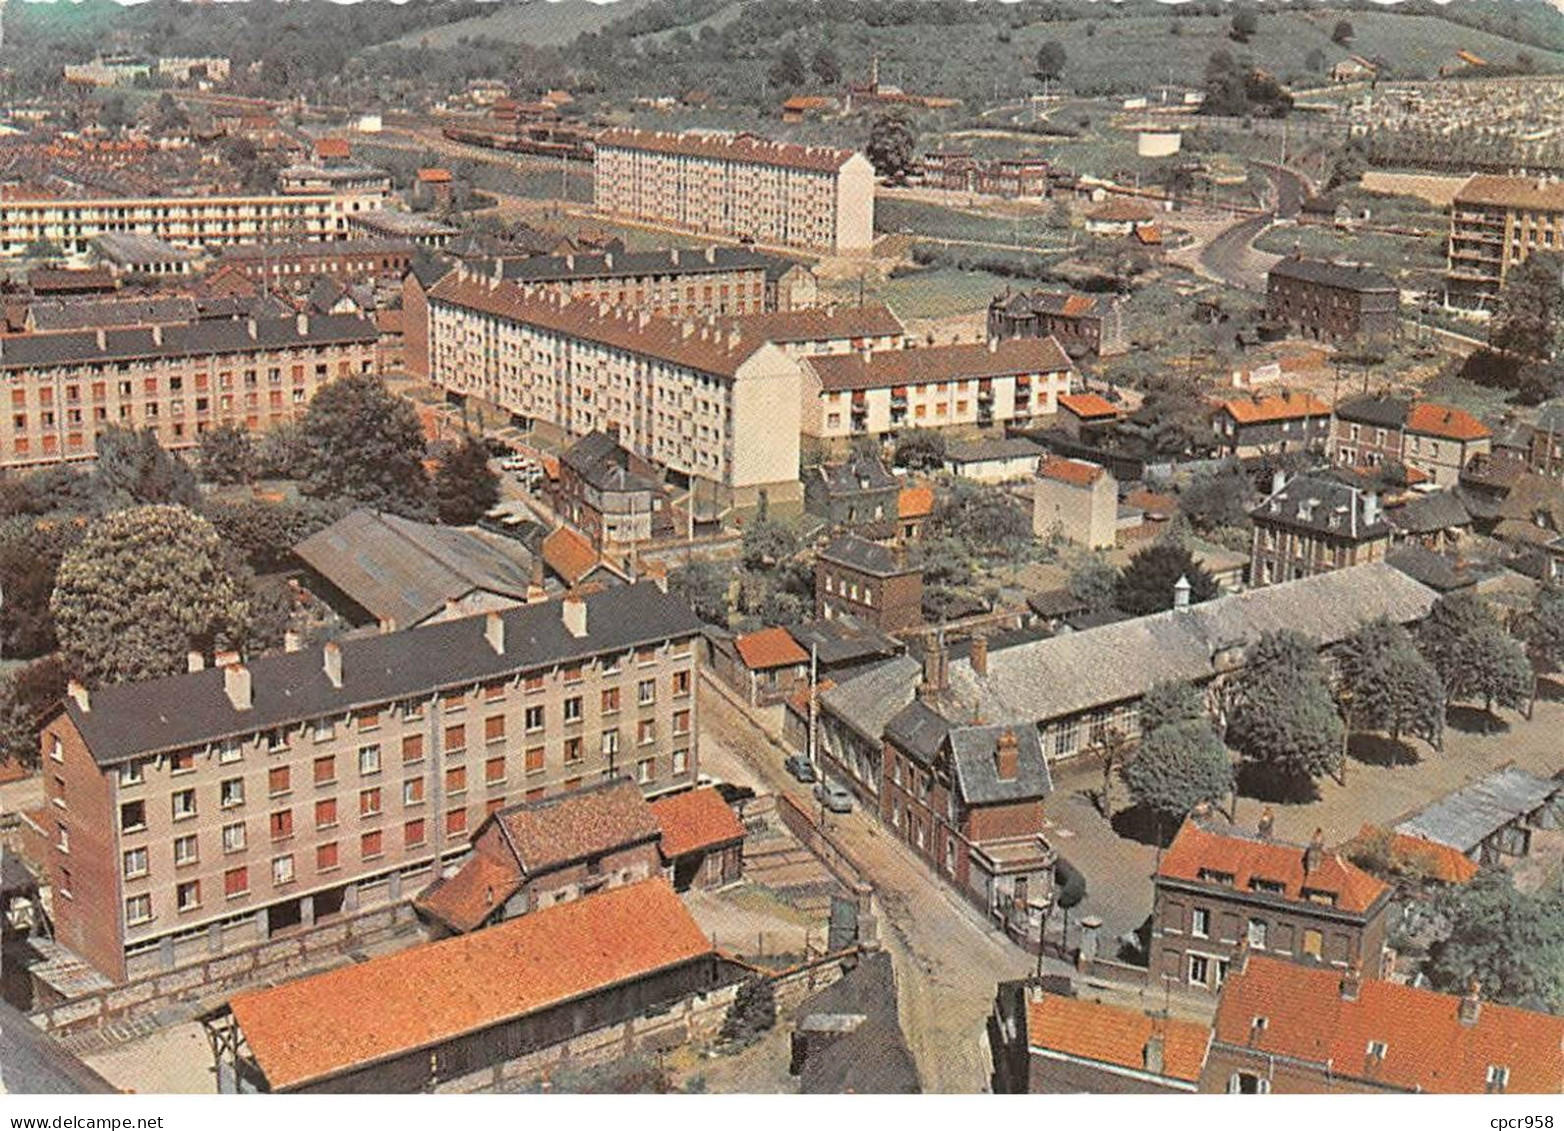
[
  {"x": 194, "y": 661},
  {"x": 536, "y": 591},
  {"x": 250, "y": 329},
  {"x": 1267, "y": 823},
  {"x": 494, "y": 632},
  {"x": 302, "y": 324},
  {"x": 1152, "y": 1056},
  {"x": 993, "y": 344},
  {"x": 1007, "y": 756},
  {"x": 236, "y": 682},
  {"x": 499, "y": 269},
  {"x": 570, "y": 261},
  {"x": 77, "y": 690},
  {"x": 1181, "y": 589},
  {"x": 157, "y": 335},
  {"x": 1278, "y": 480},
  {"x": 608, "y": 261},
  {"x": 673, "y": 256},
  {"x": 224, "y": 658},
  {"x": 868, "y": 353},
  {"x": 1314, "y": 855},
  {"x": 574, "y": 611},
  {"x": 934, "y": 664},
  {"x": 331, "y": 662},
  {"x": 1352, "y": 983},
  {"x": 1471, "y": 1005},
  {"x": 711, "y": 255},
  {"x": 292, "y": 641},
  {"x": 979, "y": 655},
  {"x": 1370, "y": 508}
]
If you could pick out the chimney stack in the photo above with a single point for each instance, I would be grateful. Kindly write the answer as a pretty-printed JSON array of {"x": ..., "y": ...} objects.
[
  {"x": 673, "y": 255},
  {"x": 157, "y": 335},
  {"x": 1152, "y": 1057},
  {"x": 1352, "y": 983},
  {"x": 935, "y": 661},
  {"x": 1007, "y": 756},
  {"x": 574, "y": 611},
  {"x": 77, "y": 690},
  {"x": 979, "y": 655},
  {"x": 1181, "y": 589},
  {"x": 302, "y": 324},
  {"x": 236, "y": 682},
  {"x": 993, "y": 343},
  {"x": 1267, "y": 823},
  {"x": 194, "y": 661},
  {"x": 1314, "y": 855},
  {"x": 292, "y": 641},
  {"x": 331, "y": 662},
  {"x": 494, "y": 632},
  {"x": 1278, "y": 480},
  {"x": 1471, "y": 1005},
  {"x": 103, "y": 338},
  {"x": 1370, "y": 508}
]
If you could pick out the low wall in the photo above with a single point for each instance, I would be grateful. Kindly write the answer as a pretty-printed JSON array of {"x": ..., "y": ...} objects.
[{"x": 824, "y": 847}]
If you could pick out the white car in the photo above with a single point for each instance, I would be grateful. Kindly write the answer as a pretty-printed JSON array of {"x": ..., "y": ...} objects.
[{"x": 515, "y": 463}]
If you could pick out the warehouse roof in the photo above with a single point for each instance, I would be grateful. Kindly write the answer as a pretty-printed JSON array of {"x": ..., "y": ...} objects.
[{"x": 1469, "y": 816}]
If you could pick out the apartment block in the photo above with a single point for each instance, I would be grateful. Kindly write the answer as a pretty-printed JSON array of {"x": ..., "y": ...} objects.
[
  {"x": 1332, "y": 302},
  {"x": 209, "y": 811},
  {"x": 180, "y": 379},
  {"x": 703, "y": 401},
  {"x": 1496, "y": 222},
  {"x": 276, "y": 263},
  {"x": 675, "y": 282},
  {"x": 738, "y": 185}
]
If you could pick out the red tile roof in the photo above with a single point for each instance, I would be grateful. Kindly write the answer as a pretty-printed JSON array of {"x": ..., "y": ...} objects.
[
  {"x": 324, "y": 1025},
  {"x": 1277, "y": 407},
  {"x": 463, "y": 901},
  {"x": 1427, "y": 1048},
  {"x": 1075, "y": 471},
  {"x": 695, "y": 820},
  {"x": 1439, "y": 861},
  {"x": 434, "y": 175},
  {"x": 769, "y": 648},
  {"x": 821, "y": 323},
  {"x": 1148, "y": 234},
  {"x": 915, "y": 502},
  {"x": 729, "y": 147},
  {"x": 966, "y": 361},
  {"x": 1121, "y": 209},
  {"x": 573, "y": 826},
  {"x": 1196, "y": 851},
  {"x": 332, "y": 147},
  {"x": 569, "y": 554},
  {"x": 1088, "y": 406},
  {"x": 1111, "y": 1035},
  {"x": 1447, "y": 423}
]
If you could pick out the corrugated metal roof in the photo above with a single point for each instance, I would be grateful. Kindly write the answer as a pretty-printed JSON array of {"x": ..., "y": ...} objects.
[{"x": 1469, "y": 816}]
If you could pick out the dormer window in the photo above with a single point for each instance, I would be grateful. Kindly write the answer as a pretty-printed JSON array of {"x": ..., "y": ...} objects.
[
  {"x": 1498, "y": 1077},
  {"x": 1324, "y": 898},
  {"x": 1270, "y": 887},
  {"x": 1259, "y": 1023},
  {"x": 1377, "y": 1050},
  {"x": 1211, "y": 876}
]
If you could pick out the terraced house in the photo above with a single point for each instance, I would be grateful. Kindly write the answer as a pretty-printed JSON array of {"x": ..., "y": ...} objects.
[{"x": 209, "y": 811}]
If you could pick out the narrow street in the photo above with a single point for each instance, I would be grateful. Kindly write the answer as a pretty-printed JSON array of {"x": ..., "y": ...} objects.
[{"x": 948, "y": 961}]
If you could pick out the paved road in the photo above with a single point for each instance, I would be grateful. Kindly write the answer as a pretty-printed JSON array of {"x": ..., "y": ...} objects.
[
  {"x": 948, "y": 961},
  {"x": 1230, "y": 258}
]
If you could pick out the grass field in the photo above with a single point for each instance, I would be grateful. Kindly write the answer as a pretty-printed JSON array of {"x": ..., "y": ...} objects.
[
  {"x": 939, "y": 222},
  {"x": 538, "y": 22},
  {"x": 936, "y": 293},
  {"x": 1398, "y": 254}
]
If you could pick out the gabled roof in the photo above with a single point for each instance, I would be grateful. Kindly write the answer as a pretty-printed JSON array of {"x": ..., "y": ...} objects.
[
  {"x": 577, "y": 825},
  {"x": 1425, "y": 514},
  {"x": 1427, "y": 1048},
  {"x": 865, "y": 556},
  {"x": 1114, "y": 1037},
  {"x": 569, "y": 554},
  {"x": 1323, "y": 505},
  {"x": 602, "y": 462},
  {"x": 972, "y": 751},
  {"x": 915, "y": 502},
  {"x": 1076, "y": 472},
  {"x": 1199, "y": 853},
  {"x": 1445, "y": 423},
  {"x": 1274, "y": 408},
  {"x": 579, "y": 266},
  {"x": 1535, "y": 194},
  {"x": 1470, "y": 815},
  {"x": 33, "y": 1063},
  {"x": 855, "y": 475},
  {"x": 1382, "y": 412},
  {"x": 322, "y": 1026},
  {"x": 1350, "y": 277},
  {"x": 868, "y": 701},
  {"x": 730, "y": 147},
  {"x": 1122, "y": 209},
  {"x": 694, "y": 821},
  {"x": 821, "y": 323},
  {"x": 1088, "y": 406},
  {"x": 463, "y": 900},
  {"x": 769, "y": 648},
  {"x": 843, "y": 639}
]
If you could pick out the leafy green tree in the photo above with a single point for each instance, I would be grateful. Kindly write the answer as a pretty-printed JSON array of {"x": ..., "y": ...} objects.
[
  {"x": 1284, "y": 717},
  {"x": 1444, "y": 633},
  {"x": 1474, "y": 656},
  {"x": 1509, "y": 943},
  {"x": 1146, "y": 584},
  {"x": 143, "y": 587},
  {"x": 360, "y": 441},
  {"x": 1342, "y": 33},
  {"x": 920, "y": 449},
  {"x": 465, "y": 486},
  {"x": 1243, "y": 25},
  {"x": 826, "y": 66},
  {"x": 1314, "y": 61},
  {"x": 1388, "y": 684},
  {"x": 227, "y": 454},
  {"x": 1216, "y": 499},
  {"x": 1543, "y": 626},
  {"x": 1530, "y": 311},
  {"x": 1095, "y": 581},
  {"x": 767, "y": 542},
  {"x": 134, "y": 468},
  {"x": 789, "y": 70},
  {"x": 30, "y": 554},
  {"x": 985, "y": 520},
  {"x": 1171, "y": 702},
  {"x": 27, "y": 696},
  {"x": 1051, "y": 58},
  {"x": 704, "y": 586},
  {"x": 891, "y": 146},
  {"x": 264, "y": 533},
  {"x": 1177, "y": 767}
]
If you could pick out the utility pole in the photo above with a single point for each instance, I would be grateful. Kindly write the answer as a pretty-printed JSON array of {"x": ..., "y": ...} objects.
[{"x": 814, "y": 712}]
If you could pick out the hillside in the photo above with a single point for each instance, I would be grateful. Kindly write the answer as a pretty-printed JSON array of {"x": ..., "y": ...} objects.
[{"x": 541, "y": 23}]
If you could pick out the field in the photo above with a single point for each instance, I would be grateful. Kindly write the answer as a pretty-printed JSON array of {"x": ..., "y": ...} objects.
[
  {"x": 938, "y": 222},
  {"x": 1400, "y": 255},
  {"x": 940, "y": 292},
  {"x": 538, "y": 22}
]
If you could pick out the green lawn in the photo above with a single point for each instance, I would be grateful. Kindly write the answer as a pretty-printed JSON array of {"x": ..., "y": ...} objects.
[
  {"x": 939, "y": 222},
  {"x": 939, "y": 292}
]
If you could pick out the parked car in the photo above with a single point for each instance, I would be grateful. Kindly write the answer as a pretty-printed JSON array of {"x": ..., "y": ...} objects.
[
  {"x": 515, "y": 463},
  {"x": 800, "y": 767},
  {"x": 834, "y": 796}
]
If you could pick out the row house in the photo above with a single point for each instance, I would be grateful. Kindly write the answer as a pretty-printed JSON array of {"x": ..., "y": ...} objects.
[
  {"x": 1433, "y": 439},
  {"x": 1269, "y": 424},
  {"x": 994, "y": 385},
  {"x": 208, "y": 811},
  {"x": 1311, "y": 524},
  {"x": 703, "y": 401},
  {"x": 1009, "y": 177},
  {"x": 1219, "y": 889},
  {"x": 277, "y": 263},
  {"x": 180, "y": 379},
  {"x": 1084, "y": 324},
  {"x": 1332, "y": 302},
  {"x": 1496, "y": 224},
  {"x": 738, "y": 185},
  {"x": 872, "y": 583}
]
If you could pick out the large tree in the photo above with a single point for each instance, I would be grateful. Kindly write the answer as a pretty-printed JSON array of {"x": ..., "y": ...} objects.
[
  {"x": 1511, "y": 944},
  {"x": 27, "y": 696},
  {"x": 1243, "y": 25},
  {"x": 1050, "y": 62},
  {"x": 704, "y": 586},
  {"x": 1171, "y": 702},
  {"x": 465, "y": 486},
  {"x": 789, "y": 70},
  {"x": 826, "y": 66},
  {"x": 1529, "y": 313},
  {"x": 144, "y": 587},
  {"x": 1387, "y": 684},
  {"x": 1474, "y": 656},
  {"x": 891, "y": 146},
  {"x": 1342, "y": 33},
  {"x": 227, "y": 454},
  {"x": 133, "y": 467},
  {"x": 1216, "y": 499},
  {"x": 30, "y": 554},
  {"x": 1146, "y": 583},
  {"x": 362, "y": 442},
  {"x": 920, "y": 449},
  {"x": 1095, "y": 582},
  {"x": 1177, "y": 767},
  {"x": 1543, "y": 626},
  {"x": 1284, "y": 716}
]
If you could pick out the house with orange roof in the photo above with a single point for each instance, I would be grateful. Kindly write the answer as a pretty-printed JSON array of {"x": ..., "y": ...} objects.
[
  {"x": 1052, "y": 1042},
  {"x": 1219, "y": 888},
  {"x": 1285, "y": 1029},
  {"x": 702, "y": 842},
  {"x": 764, "y": 666},
  {"x": 1434, "y": 440},
  {"x": 1270, "y": 423},
  {"x": 1077, "y": 501},
  {"x": 1412, "y": 856},
  {"x": 1087, "y": 417},
  {"x": 914, "y": 507}
]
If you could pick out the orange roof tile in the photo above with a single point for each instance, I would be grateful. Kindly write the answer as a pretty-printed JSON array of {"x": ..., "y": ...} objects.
[
  {"x": 1075, "y": 471},
  {"x": 694, "y": 820},
  {"x": 1111, "y": 1035},
  {"x": 569, "y": 554},
  {"x": 434, "y": 176},
  {"x": 328, "y": 1024},
  {"x": 1121, "y": 209},
  {"x": 1148, "y": 234},
  {"x": 332, "y": 147},
  {"x": 1439, "y": 861},
  {"x": 463, "y": 901},
  {"x": 729, "y": 147},
  {"x": 799, "y": 700},
  {"x": 769, "y": 648},
  {"x": 1197, "y": 851},
  {"x": 560, "y": 830},
  {"x": 1427, "y": 1048},
  {"x": 1279, "y": 406},
  {"x": 915, "y": 502},
  {"x": 1088, "y": 406},
  {"x": 1447, "y": 423}
]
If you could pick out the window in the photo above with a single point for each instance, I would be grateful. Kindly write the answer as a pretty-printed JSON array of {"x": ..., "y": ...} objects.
[
  {"x": 229, "y": 751},
  {"x": 610, "y": 700},
  {"x": 453, "y": 701},
  {"x": 412, "y": 748},
  {"x": 187, "y": 896},
  {"x": 532, "y": 683},
  {"x": 494, "y": 728},
  {"x": 456, "y": 780},
  {"x": 131, "y": 774},
  {"x": 534, "y": 718},
  {"x": 412, "y": 709},
  {"x": 236, "y": 882},
  {"x": 138, "y": 909},
  {"x": 326, "y": 856},
  {"x": 681, "y": 684},
  {"x": 413, "y": 791},
  {"x": 282, "y": 870},
  {"x": 276, "y": 740},
  {"x": 646, "y": 732},
  {"x": 681, "y": 761},
  {"x": 234, "y": 838},
  {"x": 1377, "y": 1050},
  {"x": 1199, "y": 970},
  {"x": 326, "y": 813},
  {"x": 184, "y": 804},
  {"x": 369, "y": 720},
  {"x": 1498, "y": 1077},
  {"x": 182, "y": 763},
  {"x": 368, "y": 760},
  {"x": 455, "y": 822},
  {"x": 369, "y": 802},
  {"x": 1200, "y": 923},
  {"x": 455, "y": 739},
  {"x": 534, "y": 760},
  {"x": 1313, "y": 943},
  {"x": 135, "y": 863},
  {"x": 644, "y": 656},
  {"x": 325, "y": 769},
  {"x": 230, "y": 793},
  {"x": 133, "y": 816},
  {"x": 574, "y": 750},
  {"x": 325, "y": 730},
  {"x": 646, "y": 692},
  {"x": 1258, "y": 932},
  {"x": 278, "y": 781},
  {"x": 494, "y": 691},
  {"x": 186, "y": 850},
  {"x": 610, "y": 742},
  {"x": 1248, "y": 1084},
  {"x": 681, "y": 722},
  {"x": 573, "y": 674},
  {"x": 413, "y": 833},
  {"x": 645, "y": 770},
  {"x": 494, "y": 771}
]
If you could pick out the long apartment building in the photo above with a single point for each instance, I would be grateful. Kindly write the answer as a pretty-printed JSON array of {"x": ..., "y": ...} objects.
[
  {"x": 72, "y": 223},
  {"x": 869, "y": 392},
  {"x": 209, "y": 811},
  {"x": 675, "y": 282},
  {"x": 179, "y": 380},
  {"x": 1496, "y": 222},
  {"x": 704, "y": 401},
  {"x": 738, "y": 185}
]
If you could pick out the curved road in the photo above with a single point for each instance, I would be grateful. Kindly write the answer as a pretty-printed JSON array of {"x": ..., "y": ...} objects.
[{"x": 1231, "y": 257}]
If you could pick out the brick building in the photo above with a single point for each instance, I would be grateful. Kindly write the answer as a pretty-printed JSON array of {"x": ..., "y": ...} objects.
[
  {"x": 1433, "y": 439},
  {"x": 179, "y": 379},
  {"x": 1085, "y": 325},
  {"x": 1332, "y": 302},
  {"x": 281, "y": 262},
  {"x": 739, "y": 185},
  {"x": 1312, "y": 524},
  {"x": 1496, "y": 222},
  {"x": 1219, "y": 889},
  {"x": 610, "y": 495},
  {"x": 1268, "y": 425},
  {"x": 1009, "y": 177},
  {"x": 858, "y": 578},
  {"x": 209, "y": 811}
]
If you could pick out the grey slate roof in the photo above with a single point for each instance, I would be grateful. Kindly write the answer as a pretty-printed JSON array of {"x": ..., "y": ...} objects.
[
  {"x": 1326, "y": 506},
  {"x": 129, "y": 720},
  {"x": 867, "y": 557},
  {"x": 32, "y": 1063},
  {"x": 972, "y": 752},
  {"x": 1469, "y": 816},
  {"x": 872, "y": 1058},
  {"x": 405, "y": 571},
  {"x": 843, "y": 639},
  {"x": 560, "y": 268},
  {"x": 1434, "y": 570},
  {"x": 919, "y": 730},
  {"x": 868, "y": 702},
  {"x": 854, "y": 475},
  {"x": 603, "y": 463},
  {"x": 76, "y": 315},
  {"x": 213, "y": 336},
  {"x": 1325, "y": 273},
  {"x": 1381, "y": 412},
  {"x": 1550, "y": 417},
  {"x": 1427, "y": 514},
  {"x": 1116, "y": 663},
  {"x": 976, "y": 451},
  {"x": 135, "y": 248}
]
